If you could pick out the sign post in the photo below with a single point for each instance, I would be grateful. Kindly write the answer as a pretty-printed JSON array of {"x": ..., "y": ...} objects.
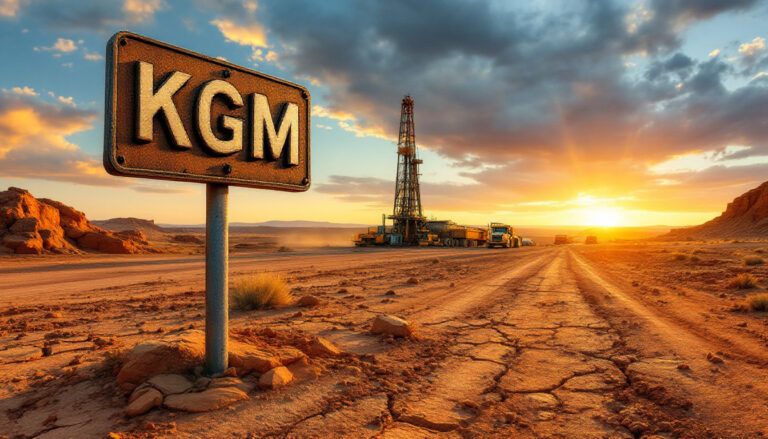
[
  {"x": 216, "y": 277},
  {"x": 173, "y": 114}
]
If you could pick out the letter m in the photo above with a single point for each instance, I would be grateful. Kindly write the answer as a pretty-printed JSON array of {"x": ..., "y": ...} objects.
[{"x": 273, "y": 144}]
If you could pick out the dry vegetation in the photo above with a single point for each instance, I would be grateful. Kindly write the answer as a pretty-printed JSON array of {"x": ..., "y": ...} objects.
[
  {"x": 753, "y": 260},
  {"x": 261, "y": 291},
  {"x": 743, "y": 281},
  {"x": 758, "y": 302}
]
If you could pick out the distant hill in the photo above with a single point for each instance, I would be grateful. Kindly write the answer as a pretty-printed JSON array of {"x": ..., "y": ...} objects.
[
  {"x": 744, "y": 217},
  {"x": 278, "y": 224},
  {"x": 120, "y": 224}
]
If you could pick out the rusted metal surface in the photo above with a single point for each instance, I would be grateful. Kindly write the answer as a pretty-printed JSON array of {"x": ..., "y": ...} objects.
[{"x": 233, "y": 145}]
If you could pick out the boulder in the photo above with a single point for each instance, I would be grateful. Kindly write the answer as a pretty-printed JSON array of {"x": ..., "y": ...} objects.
[
  {"x": 29, "y": 225},
  {"x": 320, "y": 347},
  {"x": 274, "y": 378},
  {"x": 146, "y": 399},
  {"x": 174, "y": 353},
  {"x": 308, "y": 301},
  {"x": 205, "y": 401},
  {"x": 105, "y": 243},
  {"x": 247, "y": 358},
  {"x": 169, "y": 383},
  {"x": 386, "y": 324}
]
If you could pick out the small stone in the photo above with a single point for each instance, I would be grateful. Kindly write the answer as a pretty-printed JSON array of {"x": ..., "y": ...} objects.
[
  {"x": 144, "y": 402},
  {"x": 390, "y": 293},
  {"x": 274, "y": 378},
  {"x": 169, "y": 384},
  {"x": 320, "y": 347},
  {"x": 683, "y": 366},
  {"x": 412, "y": 281},
  {"x": 308, "y": 301},
  {"x": 387, "y": 324},
  {"x": 206, "y": 401},
  {"x": 230, "y": 382},
  {"x": 714, "y": 358},
  {"x": 249, "y": 358},
  {"x": 289, "y": 354},
  {"x": 53, "y": 315}
]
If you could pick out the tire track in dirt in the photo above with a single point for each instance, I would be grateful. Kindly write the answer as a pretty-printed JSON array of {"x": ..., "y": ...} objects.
[{"x": 675, "y": 362}]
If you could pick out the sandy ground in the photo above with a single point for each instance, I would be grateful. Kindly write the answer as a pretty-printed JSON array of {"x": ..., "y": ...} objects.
[{"x": 604, "y": 341}]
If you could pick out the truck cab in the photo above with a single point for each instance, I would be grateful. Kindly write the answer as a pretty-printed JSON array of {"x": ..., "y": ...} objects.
[{"x": 502, "y": 235}]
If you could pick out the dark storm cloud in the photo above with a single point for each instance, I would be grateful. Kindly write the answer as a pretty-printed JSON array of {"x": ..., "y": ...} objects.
[
  {"x": 503, "y": 84},
  {"x": 86, "y": 15}
]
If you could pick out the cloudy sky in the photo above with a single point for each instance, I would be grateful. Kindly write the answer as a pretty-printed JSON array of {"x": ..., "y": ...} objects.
[{"x": 532, "y": 112}]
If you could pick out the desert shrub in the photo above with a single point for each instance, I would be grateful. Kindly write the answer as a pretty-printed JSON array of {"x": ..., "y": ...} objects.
[
  {"x": 261, "y": 291},
  {"x": 758, "y": 302},
  {"x": 759, "y": 250},
  {"x": 743, "y": 281},
  {"x": 680, "y": 256},
  {"x": 753, "y": 260}
]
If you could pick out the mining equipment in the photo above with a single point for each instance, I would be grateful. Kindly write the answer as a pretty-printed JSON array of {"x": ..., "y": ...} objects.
[
  {"x": 449, "y": 234},
  {"x": 528, "y": 242},
  {"x": 591, "y": 240},
  {"x": 409, "y": 226},
  {"x": 407, "y": 218},
  {"x": 503, "y": 235},
  {"x": 563, "y": 239}
]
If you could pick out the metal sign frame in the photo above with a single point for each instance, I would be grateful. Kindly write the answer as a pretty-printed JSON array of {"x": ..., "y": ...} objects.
[{"x": 114, "y": 164}]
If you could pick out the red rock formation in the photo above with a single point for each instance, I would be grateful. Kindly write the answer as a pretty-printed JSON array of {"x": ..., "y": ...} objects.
[
  {"x": 744, "y": 217},
  {"x": 32, "y": 226}
]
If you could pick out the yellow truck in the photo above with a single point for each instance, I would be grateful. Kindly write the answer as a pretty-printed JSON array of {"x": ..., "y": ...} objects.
[
  {"x": 378, "y": 235},
  {"x": 502, "y": 235}
]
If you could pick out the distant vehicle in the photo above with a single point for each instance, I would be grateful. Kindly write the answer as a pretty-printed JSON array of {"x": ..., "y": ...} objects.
[
  {"x": 562, "y": 239},
  {"x": 527, "y": 242},
  {"x": 378, "y": 235},
  {"x": 503, "y": 235},
  {"x": 449, "y": 234},
  {"x": 591, "y": 240}
]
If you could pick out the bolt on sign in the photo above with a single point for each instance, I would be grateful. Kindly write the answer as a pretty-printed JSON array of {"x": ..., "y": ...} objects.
[{"x": 177, "y": 115}]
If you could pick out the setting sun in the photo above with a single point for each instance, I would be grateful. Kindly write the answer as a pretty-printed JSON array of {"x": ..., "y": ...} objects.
[{"x": 604, "y": 217}]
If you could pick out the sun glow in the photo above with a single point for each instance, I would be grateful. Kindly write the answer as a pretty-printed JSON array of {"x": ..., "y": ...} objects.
[{"x": 601, "y": 216}]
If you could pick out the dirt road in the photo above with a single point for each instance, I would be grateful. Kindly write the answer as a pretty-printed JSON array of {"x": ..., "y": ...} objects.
[{"x": 534, "y": 342}]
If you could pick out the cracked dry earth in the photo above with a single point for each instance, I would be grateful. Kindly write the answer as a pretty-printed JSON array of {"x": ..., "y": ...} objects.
[{"x": 534, "y": 342}]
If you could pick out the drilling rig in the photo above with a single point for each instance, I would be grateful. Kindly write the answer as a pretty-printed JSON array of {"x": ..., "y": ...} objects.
[{"x": 407, "y": 218}]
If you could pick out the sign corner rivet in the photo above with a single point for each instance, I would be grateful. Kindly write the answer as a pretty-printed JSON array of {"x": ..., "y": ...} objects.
[
  {"x": 227, "y": 169},
  {"x": 120, "y": 159},
  {"x": 123, "y": 42},
  {"x": 304, "y": 94},
  {"x": 226, "y": 73},
  {"x": 305, "y": 181}
]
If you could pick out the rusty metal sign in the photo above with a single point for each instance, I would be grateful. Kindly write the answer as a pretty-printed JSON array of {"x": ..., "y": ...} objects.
[{"x": 177, "y": 115}]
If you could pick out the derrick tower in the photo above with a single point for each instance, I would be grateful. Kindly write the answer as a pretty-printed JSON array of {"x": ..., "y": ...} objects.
[{"x": 407, "y": 217}]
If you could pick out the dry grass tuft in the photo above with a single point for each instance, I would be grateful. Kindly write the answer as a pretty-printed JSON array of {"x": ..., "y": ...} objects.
[
  {"x": 743, "y": 281},
  {"x": 261, "y": 291},
  {"x": 753, "y": 260},
  {"x": 679, "y": 256},
  {"x": 758, "y": 302}
]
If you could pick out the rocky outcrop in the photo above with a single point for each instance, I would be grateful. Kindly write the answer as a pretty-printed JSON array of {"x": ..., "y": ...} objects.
[
  {"x": 33, "y": 226},
  {"x": 744, "y": 217}
]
